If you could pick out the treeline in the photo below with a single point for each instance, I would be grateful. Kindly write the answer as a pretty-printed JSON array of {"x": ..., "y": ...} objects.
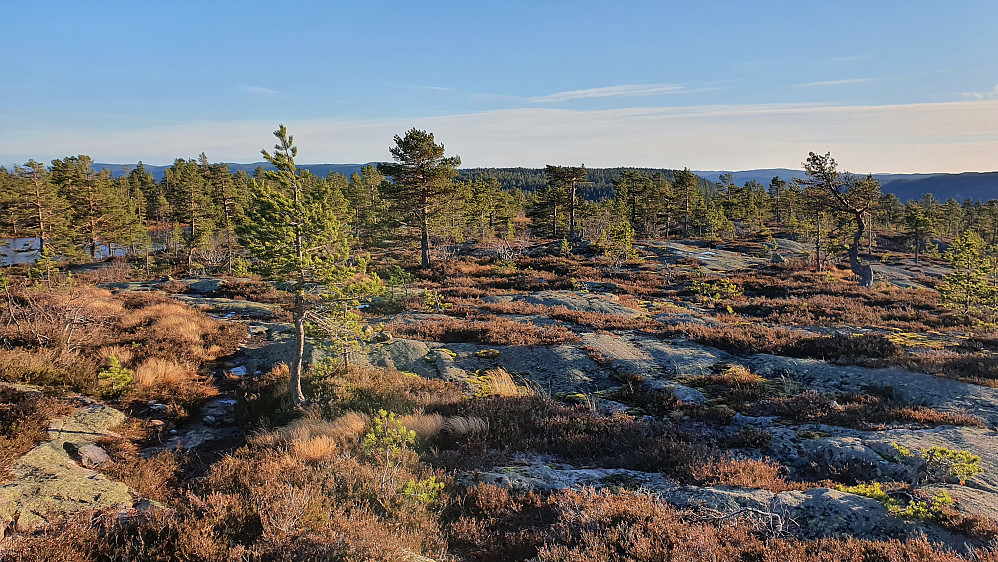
[
  {"x": 193, "y": 215},
  {"x": 599, "y": 184}
]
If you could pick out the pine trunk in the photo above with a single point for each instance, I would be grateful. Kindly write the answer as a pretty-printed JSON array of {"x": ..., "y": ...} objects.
[
  {"x": 296, "y": 370},
  {"x": 571, "y": 214},
  {"x": 865, "y": 271},
  {"x": 424, "y": 225}
]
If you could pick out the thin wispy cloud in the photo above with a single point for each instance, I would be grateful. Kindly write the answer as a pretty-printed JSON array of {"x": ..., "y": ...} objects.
[
  {"x": 258, "y": 90},
  {"x": 848, "y": 59},
  {"x": 990, "y": 95},
  {"x": 832, "y": 82},
  {"x": 436, "y": 88},
  {"x": 629, "y": 90}
]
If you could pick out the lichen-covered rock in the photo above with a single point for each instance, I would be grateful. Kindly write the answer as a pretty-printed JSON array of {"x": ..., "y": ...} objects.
[{"x": 48, "y": 479}]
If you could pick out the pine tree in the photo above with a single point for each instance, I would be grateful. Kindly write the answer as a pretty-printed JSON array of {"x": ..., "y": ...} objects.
[
  {"x": 488, "y": 208},
  {"x": 566, "y": 180},
  {"x": 193, "y": 207},
  {"x": 293, "y": 232},
  {"x": 364, "y": 200},
  {"x": 967, "y": 287},
  {"x": 918, "y": 225},
  {"x": 420, "y": 178},
  {"x": 43, "y": 209},
  {"x": 686, "y": 192},
  {"x": 97, "y": 208},
  {"x": 845, "y": 194}
]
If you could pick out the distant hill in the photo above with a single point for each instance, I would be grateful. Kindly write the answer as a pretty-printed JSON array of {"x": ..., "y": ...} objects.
[
  {"x": 979, "y": 186},
  {"x": 967, "y": 185}
]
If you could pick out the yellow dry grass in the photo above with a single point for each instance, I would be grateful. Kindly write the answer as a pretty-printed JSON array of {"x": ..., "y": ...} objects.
[
  {"x": 465, "y": 425},
  {"x": 425, "y": 426},
  {"x": 123, "y": 354},
  {"x": 155, "y": 372},
  {"x": 314, "y": 439},
  {"x": 498, "y": 382}
]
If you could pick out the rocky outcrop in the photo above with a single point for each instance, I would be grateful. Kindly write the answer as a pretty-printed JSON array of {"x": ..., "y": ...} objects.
[{"x": 49, "y": 479}]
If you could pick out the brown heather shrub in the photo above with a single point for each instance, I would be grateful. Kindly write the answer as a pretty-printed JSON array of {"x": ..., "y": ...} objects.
[
  {"x": 573, "y": 433},
  {"x": 859, "y": 411},
  {"x": 980, "y": 368},
  {"x": 596, "y": 320},
  {"x": 635, "y": 392},
  {"x": 733, "y": 384},
  {"x": 749, "y": 438},
  {"x": 747, "y": 338},
  {"x": 869, "y": 349},
  {"x": 596, "y": 354},
  {"x": 744, "y": 338},
  {"x": 808, "y": 298},
  {"x": 492, "y": 331},
  {"x": 173, "y": 286},
  {"x": 24, "y": 422},
  {"x": 746, "y": 473},
  {"x": 491, "y": 524},
  {"x": 151, "y": 477},
  {"x": 155, "y": 477},
  {"x": 253, "y": 290},
  {"x": 258, "y": 505},
  {"x": 57, "y": 369}
]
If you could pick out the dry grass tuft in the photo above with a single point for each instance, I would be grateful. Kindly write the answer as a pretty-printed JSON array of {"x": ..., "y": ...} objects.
[
  {"x": 498, "y": 382},
  {"x": 425, "y": 426},
  {"x": 156, "y": 372}
]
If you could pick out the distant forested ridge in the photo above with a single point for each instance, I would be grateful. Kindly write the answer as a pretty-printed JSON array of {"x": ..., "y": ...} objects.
[{"x": 600, "y": 181}]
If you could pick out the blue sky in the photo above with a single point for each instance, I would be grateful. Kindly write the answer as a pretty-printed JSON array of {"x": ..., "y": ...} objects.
[{"x": 885, "y": 86}]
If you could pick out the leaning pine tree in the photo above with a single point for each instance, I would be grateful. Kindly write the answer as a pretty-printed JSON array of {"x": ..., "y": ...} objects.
[{"x": 293, "y": 233}]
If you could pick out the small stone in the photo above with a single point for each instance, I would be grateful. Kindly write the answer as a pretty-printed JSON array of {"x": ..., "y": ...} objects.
[
  {"x": 92, "y": 456},
  {"x": 209, "y": 420}
]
